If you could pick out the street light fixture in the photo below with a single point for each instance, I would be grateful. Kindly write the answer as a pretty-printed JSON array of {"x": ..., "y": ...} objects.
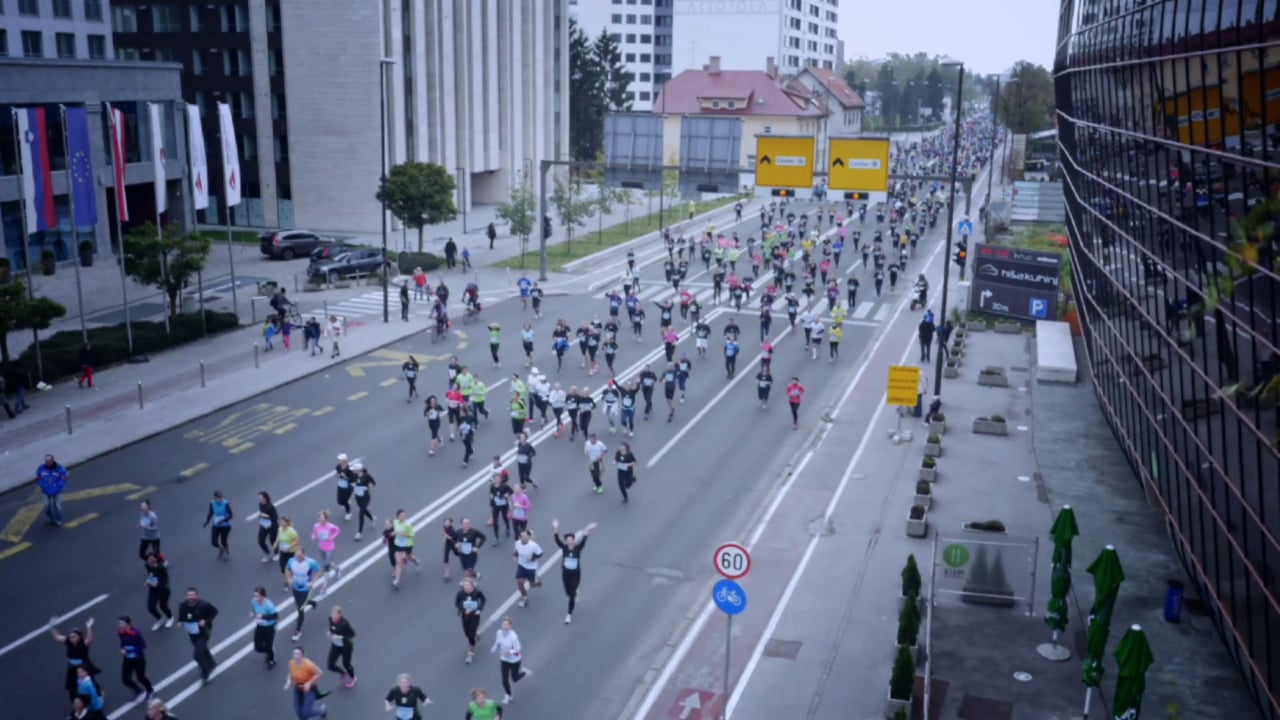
[
  {"x": 382, "y": 127},
  {"x": 951, "y": 213}
]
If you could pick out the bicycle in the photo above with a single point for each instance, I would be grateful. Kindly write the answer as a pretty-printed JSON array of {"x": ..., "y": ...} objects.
[
  {"x": 471, "y": 315},
  {"x": 441, "y": 331}
]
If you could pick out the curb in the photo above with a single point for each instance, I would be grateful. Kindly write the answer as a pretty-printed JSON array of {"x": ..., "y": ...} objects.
[{"x": 574, "y": 265}]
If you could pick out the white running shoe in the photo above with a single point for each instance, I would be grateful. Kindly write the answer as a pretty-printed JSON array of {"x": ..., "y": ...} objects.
[
  {"x": 157, "y": 625},
  {"x": 506, "y": 698},
  {"x": 168, "y": 622},
  {"x": 347, "y": 516},
  {"x": 568, "y": 619}
]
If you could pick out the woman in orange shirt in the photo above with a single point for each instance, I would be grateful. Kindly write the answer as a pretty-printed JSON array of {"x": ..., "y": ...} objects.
[{"x": 303, "y": 676}]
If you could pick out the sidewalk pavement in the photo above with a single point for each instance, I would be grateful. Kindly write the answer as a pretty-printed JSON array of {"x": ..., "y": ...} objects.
[{"x": 983, "y": 659}]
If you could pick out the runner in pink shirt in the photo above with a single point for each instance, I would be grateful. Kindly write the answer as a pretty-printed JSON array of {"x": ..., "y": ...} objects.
[{"x": 325, "y": 533}]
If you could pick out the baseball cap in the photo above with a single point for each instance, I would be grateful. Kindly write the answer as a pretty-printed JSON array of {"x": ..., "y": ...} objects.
[
  {"x": 342, "y": 457},
  {"x": 357, "y": 466}
]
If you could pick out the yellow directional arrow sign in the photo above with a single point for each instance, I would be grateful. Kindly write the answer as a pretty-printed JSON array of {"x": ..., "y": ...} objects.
[
  {"x": 784, "y": 162},
  {"x": 859, "y": 164}
]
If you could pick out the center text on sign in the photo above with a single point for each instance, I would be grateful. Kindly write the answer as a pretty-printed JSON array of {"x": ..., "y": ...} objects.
[
  {"x": 867, "y": 164},
  {"x": 791, "y": 161}
]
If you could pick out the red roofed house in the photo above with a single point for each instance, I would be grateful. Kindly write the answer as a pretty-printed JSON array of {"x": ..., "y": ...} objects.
[
  {"x": 766, "y": 104},
  {"x": 829, "y": 87}
]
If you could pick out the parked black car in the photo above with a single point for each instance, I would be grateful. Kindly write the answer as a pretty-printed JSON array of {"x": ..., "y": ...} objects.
[
  {"x": 288, "y": 244},
  {"x": 330, "y": 251},
  {"x": 355, "y": 263}
]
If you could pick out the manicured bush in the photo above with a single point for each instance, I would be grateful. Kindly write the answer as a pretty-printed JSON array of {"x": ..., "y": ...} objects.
[
  {"x": 407, "y": 261},
  {"x": 909, "y": 623},
  {"x": 903, "y": 679}
]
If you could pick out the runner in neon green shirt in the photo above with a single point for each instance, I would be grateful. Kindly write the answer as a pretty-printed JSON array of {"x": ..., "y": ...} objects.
[
  {"x": 482, "y": 708},
  {"x": 519, "y": 412},
  {"x": 402, "y": 535}
]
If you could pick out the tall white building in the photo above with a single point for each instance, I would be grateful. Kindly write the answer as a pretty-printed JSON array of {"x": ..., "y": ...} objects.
[
  {"x": 643, "y": 31},
  {"x": 742, "y": 33},
  {"x": 58, "y": 29}
]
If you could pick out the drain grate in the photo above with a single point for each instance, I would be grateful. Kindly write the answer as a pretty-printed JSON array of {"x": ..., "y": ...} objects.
[
  {"x": 782, "y": 649},
  {"x": 980, "y": 708}
]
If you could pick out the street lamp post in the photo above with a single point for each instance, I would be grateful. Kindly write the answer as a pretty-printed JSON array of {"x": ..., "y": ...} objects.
[
  {"x": 991, "y": 164},
  {"x": 382, "y": 127},
  {"x": 951, "y": 217}
]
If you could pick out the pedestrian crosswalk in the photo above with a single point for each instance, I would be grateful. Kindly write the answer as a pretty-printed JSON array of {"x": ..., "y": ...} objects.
[{"x": 370, "y": 303}]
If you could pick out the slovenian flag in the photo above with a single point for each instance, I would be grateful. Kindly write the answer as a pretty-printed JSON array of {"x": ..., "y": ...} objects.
[{"x": 37, "y": 179}]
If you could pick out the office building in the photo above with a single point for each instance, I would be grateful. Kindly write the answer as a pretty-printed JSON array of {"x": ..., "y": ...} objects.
[
  {"x": 477, "y": 86},
  {"x": 1168, "y": 116},
  {"x": 62, "y": 29},
  {"x": 642, "y": 29},
  {"x": 799, "y": 33}
]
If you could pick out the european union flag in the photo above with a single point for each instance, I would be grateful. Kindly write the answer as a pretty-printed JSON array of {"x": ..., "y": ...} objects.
[{"x": 84, "y": 196}]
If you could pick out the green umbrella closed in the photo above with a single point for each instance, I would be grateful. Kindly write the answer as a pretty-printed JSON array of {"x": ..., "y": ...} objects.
[
  {"x": 1064, "y": 530},
  {"x": 1107, "y": 576},
  {"x": 1133, "y": 655}
]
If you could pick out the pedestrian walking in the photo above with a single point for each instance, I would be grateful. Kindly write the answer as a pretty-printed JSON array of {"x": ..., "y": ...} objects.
[
  {"x": 469, "y": 602},
  {"x": 404, "y": 301},
  {"x": 221, "y": 517},
  {"x": 511, "y": 655},
  {"x": 149, "y": 525},
  {"x": 410, "y": 370},
  {"x": 302, "y": 679},
  {"x": 265, "y": 616},
  {"x": 197, "y": 616},
  {"x": 52, "y": 478},
  {"x": 925, "y": 331},
  {"x": 335, "y": 331},
  {"x": 86, "y": 366}
]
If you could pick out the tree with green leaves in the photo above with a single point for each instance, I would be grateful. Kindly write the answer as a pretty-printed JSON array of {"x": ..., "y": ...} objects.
[
  {"x": 167, "y": 261},
  {"x": 20, "y": 312},
  {"x": 1026, "y": 102},
  {"x": 419, "y": 194},
  {"x": 887, "y": 88},
  {"x": 570, "y": 206},
  {"x": 586, "y": 96},
  {"x": 520, "y": 212},
  {"x": 616, "y": 79}
]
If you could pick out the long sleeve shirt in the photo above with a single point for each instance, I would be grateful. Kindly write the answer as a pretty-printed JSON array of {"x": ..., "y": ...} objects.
[{"x": 507, "y": 646}]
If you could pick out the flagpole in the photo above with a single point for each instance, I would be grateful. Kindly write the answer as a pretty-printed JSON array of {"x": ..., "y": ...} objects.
[
  {"x": 226, "y": 204},
  {"x": 26, "y": 236},
  {"x": 189, "y": 202},
  {"x": 75, "y": 230},
  {"x": 120, "y": 202},
  {"x": 164, "y": 254}
]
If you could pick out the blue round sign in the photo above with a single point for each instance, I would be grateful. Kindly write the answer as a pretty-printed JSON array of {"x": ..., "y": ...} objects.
[{"x": 729, "y": 597}]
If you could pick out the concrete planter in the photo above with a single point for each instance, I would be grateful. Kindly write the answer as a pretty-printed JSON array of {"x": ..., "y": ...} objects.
[
  {"x": 925, "y": 501},
  {"x": 892, "y": 706},
  {"x": 993, "y": 380},
  {"x": 918, "y": 528},
  {"x": 938, "y": 427},
  {"x": 1009, "y": 328},
  {"x": 987, "y": 426},
  {"x": 928, "y": 474},
  {"x": 933, "y": 450},
  {"x": 951, "y": 371}
]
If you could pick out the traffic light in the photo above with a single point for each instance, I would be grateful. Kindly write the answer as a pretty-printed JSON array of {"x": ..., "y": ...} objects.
[
  {"x": 546, "y": 227},
  {"x": 857, "y": 196},
  {"x": 783, "y": 192},
  {"x": 961, "y": 256}
]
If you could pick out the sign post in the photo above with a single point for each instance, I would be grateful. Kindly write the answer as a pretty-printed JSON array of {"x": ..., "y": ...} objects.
[
  {"x": 904, "y": 389},
  {"x": 733, "y": 561}
]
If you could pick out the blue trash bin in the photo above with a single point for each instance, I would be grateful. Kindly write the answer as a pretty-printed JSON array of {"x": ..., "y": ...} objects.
[{"x": 1173, "y": 602}]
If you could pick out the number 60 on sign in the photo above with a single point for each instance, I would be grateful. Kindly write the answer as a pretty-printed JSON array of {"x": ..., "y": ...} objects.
[{"x": 732, "y": 561}]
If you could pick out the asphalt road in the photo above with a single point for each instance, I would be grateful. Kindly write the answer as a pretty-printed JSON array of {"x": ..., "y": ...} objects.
[{"x": 643, "y": 567}]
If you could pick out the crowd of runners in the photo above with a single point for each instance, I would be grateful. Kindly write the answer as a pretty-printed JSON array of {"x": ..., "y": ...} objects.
[{"x": 791, "y": 267}]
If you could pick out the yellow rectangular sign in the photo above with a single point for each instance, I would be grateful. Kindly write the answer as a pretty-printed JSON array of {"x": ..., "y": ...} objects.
[
  {"x": 904, "y": 385},
  {"x": 784, "y": 161},
  {"x": 859, "y": 164}
]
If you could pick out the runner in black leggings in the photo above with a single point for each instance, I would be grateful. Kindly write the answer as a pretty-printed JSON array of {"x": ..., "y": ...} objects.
[
  {"x": 470, "y": 604},
  {"x": 571, "y": 565}
]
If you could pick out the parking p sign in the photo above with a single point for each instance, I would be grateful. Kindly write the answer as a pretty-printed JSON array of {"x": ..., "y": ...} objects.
[{"x": 1039, "y": 308}]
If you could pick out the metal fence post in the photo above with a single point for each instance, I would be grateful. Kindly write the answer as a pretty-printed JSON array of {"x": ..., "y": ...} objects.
[
  {"x": 255, "y": 355},
  {"x": 201, "y": 373},
  {"x": 139, "y": 394},
  {"x": 253, "y": 310},
  {"x": 326, "y": 311},
  {"x": 67, "y": 409}
]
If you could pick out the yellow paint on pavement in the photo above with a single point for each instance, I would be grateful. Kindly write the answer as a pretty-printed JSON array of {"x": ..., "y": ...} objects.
[
  {"x": 358, "y": 395},
  {"x": 141, "y": 493},
  {"x": 241, "y": 427},
  {"x": 79, "y": 521},
  {"x": 323, "y": 411},
  {"x": 357, "y": 369},
  {"x": 389, "y": 382},
  {"x": 11, "y": 551},
  {"x": 285, "y": 428},
  {"x": 90, "y": 493},
  {"x": 21, "y": 522},
  {"x": 241, "y": 448},
  {"x": 191, "y": 471}
]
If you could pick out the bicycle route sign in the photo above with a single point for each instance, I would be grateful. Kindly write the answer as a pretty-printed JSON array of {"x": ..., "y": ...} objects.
[
  {"x": 732, "y": 561},
  {"x": 729, "y": 597}
]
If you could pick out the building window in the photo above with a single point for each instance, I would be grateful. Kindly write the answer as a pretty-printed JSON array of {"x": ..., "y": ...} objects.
[
  {"x": 4, "y": 43},
  {"x": 646, "y": 57},
  {"x": 167, "y": 55},
  {"x": 645, "y": 77},
  {"x": 165, "y": 19},
  {"x": 662, "y": 41},
  {"x": 235, "y": 18},
  {"x": 202, "y": 102},
  {"x": 646, "y": 39},
  {"x": 793, "y": 61},
  {"x": 715, "y": 104},
  {"x": 66, "y": 45},
  {"x": 197, "y": 61},
  {"x": 29, "y": 7},
  {"x": 631, "y": 19},
  {"x": 645, "y": 95},
  {"x": 813, "y": 28},
  {"x": 831, "y": 16},
  {"x": 794, "y": 23},
  {"x": 273, "y": 18},
  {"x": 196, "y": 17},
  {"x": 795, "y": 4},
  {"x": 813, "y": 11},
  {"x": 62, "y": 9},
  {"x": 615, "y": 37},
  {"x": 828, "y": 64},
  {"x": 236, "y": 62},
  {"x": 828, "y": 48},
  {"x": 248, "y": 148},
  {"x": 629, "y": 57},
  {"x": 616, "y": 18},
  {"x": 813, "y": 46},
  {"x": 631, "y": 37},
  {"x": 127, "y": 54},
  {"x": 282, "y": 148},
  {"x": 124, "y": 20},
  {"x": 793, "y": 42},
  {"x": 646, "y": 19},
  {"x": 277, "y": 105},
  {"x": 244, "y": 105},
  {"x": 93, "y": 10},
  {"x": 274, "y": 62},
  {"x": 32, "y": 44}
]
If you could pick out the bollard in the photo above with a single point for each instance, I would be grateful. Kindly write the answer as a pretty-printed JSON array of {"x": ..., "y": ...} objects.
[
  {"x": 326, "y": 311},
  {"x": 255, "y": 355},
  {"x": 253, "y": 310},
  {"x": 67, "y": 408},
  {"x": 201, "y": 373},
  {"x": 139, "y": 394}
]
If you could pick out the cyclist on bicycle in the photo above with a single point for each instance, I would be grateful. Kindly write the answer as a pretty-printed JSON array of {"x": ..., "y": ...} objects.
[
  {"x": 471, "y": 296},
  {"x": 440, "y": 312}
]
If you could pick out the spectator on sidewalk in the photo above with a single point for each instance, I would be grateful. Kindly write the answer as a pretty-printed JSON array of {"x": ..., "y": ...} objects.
[
  {"x": 52, "y": 479},
  {"x": 311, "y": 336},
  {"x": 335, "y": 331},
  {"x": 491, "y": 232},
  {"x": 450, "y": 254},
  {"x": 19, "y": 382},
  {"x": 286, "y": 330},
  {"x": 944, "y": 336},
  {"x": 269, "y": 329},
  {"x": 926, "y": 331},
  {"x": 86, "y": 366},
  {"x": 404, "y": 301},
  {"x": 4, "y": 398},
  {"x": 419, "y": 285}
]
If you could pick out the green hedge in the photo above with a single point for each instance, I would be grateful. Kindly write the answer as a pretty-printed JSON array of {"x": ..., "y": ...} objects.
[
  {"x": 407, "y": 261},
  {"x": 60, "y": 352}
]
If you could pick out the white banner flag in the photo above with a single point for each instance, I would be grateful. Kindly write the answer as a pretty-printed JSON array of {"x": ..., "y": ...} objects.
[
  {"x": 158, "y": 157},
  {"x": 199, "y": 166},
  {"x": 230, "y": 156}
]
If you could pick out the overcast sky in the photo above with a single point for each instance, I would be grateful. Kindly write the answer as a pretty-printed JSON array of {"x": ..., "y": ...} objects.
[{"x": 988, "y": 35}]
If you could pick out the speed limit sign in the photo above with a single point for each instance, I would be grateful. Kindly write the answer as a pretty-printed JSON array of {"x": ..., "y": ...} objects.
[{"x": 732, "y": 561}]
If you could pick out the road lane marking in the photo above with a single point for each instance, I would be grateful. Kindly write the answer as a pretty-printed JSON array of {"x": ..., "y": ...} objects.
[
  {"x": 10, "y": 552},
  {"x": 91, "y": 493},
  {"x": 79, "y": 521},
  {"x": 191, "y": 471},
  {"x": 285, "y": 428},
  {"x": 389, "y": 382},
  {"x": 21, "y": 522},
  {"x": 358, "y": 395},
  {"x": 323, "y": 411},
  {"x": 44, "y": 629},
  {"x": 141, "y": 493},
  {"x": 241, "y": 448},
  {"x": 327, "y": 476}
]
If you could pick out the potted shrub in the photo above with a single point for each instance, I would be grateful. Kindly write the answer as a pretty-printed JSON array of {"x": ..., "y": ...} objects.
[
  {"x": 6, "y": 271},
  {"x": 924, "y": 493},
  {"x": 1008, "y": 328},
  {"x": 911, "y": 582},
  {"x": 938, "y": 424},
  {"x": 918, "y": 521},
  {"x": 952, "y": 368},
  {"x": 933, "y": 445},
  {"x": 86, "y": 253},
  {"x": 928, "y": 469},
  {"x": 991, "y": 526},
  {"x": 48, "y": 262},
  {"x": 909, "y": 628},
  {"x": 902, "y": 683},
  {"x": 993, "y": 377},
  {"x": 315, "y": 283},
  {"x": 994, "y": 425}
]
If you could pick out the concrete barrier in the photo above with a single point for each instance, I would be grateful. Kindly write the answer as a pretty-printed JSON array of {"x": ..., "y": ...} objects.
[{"x": 1055, "y": 353}]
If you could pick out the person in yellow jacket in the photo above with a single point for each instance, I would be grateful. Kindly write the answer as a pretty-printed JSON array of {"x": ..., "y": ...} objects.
[
  {"x": 519, "y": 413},
  {"x": 479, "y": 394},
  {"x": 834, "y": 336}
]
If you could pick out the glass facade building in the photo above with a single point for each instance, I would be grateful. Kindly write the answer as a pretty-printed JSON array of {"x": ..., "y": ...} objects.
[{"x": 1168, "y": 117}]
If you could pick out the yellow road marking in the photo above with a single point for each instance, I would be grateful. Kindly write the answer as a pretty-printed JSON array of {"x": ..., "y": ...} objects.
[
  {"x": 141, "y": 493},
  {"x": 79, "y": 521},
  {"x": 358, "y": 395},
  {"x": 263, "y": 422},
  {"x": 462, "y": 345},
  {"x": 285, "y": 428},
  {"x": 241, "y": 448},
  {"x": 21, "y": 522},
  {"x": 10, "y": 552},
  {"x": 90, "y": 493},
  {"x": 389, "y": 382},
  {"x": 357, "y": 369},
  {"x": 185, "y": 474},
  {"x": 323, "y": 411},
  {"x": 228, "y": 422}
]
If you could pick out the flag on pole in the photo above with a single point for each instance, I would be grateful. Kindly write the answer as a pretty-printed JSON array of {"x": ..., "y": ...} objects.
[
  {"x": 37, "y": 179},
  {"x": 158, "y": 157},
  {"x": 199, "y": 166},
  {"x": 230, "y": 156},
  {"x": 118, "y": 160},
  {"x": 84, "y": 194}
]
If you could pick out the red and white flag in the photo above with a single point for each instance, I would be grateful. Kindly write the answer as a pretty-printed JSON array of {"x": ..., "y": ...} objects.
[
  {"x": 230, "y": 156},
  {"x": 118, "y": 160},
  {"x": 158, "y": 158},
  {"x": 199, "y": 166}
]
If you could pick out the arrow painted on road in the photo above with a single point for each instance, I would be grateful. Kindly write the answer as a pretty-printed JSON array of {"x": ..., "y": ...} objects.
[
  {"x": 691, "y": 703},
  {"x": 765, "y": 160}
]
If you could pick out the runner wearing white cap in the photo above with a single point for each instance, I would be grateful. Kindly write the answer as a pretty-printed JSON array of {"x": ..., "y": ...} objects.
[{"x": 346, "y": 479}]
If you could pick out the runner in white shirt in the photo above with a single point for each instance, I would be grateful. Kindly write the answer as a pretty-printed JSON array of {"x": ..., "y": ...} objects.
[
  {"x": 595, "y": 450},
  {"x": 806, "y": 322},
  {"x": 526, "y": 555},
  {"x": 816, "y": 333},
  {"x": 557, "y": 407}
]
